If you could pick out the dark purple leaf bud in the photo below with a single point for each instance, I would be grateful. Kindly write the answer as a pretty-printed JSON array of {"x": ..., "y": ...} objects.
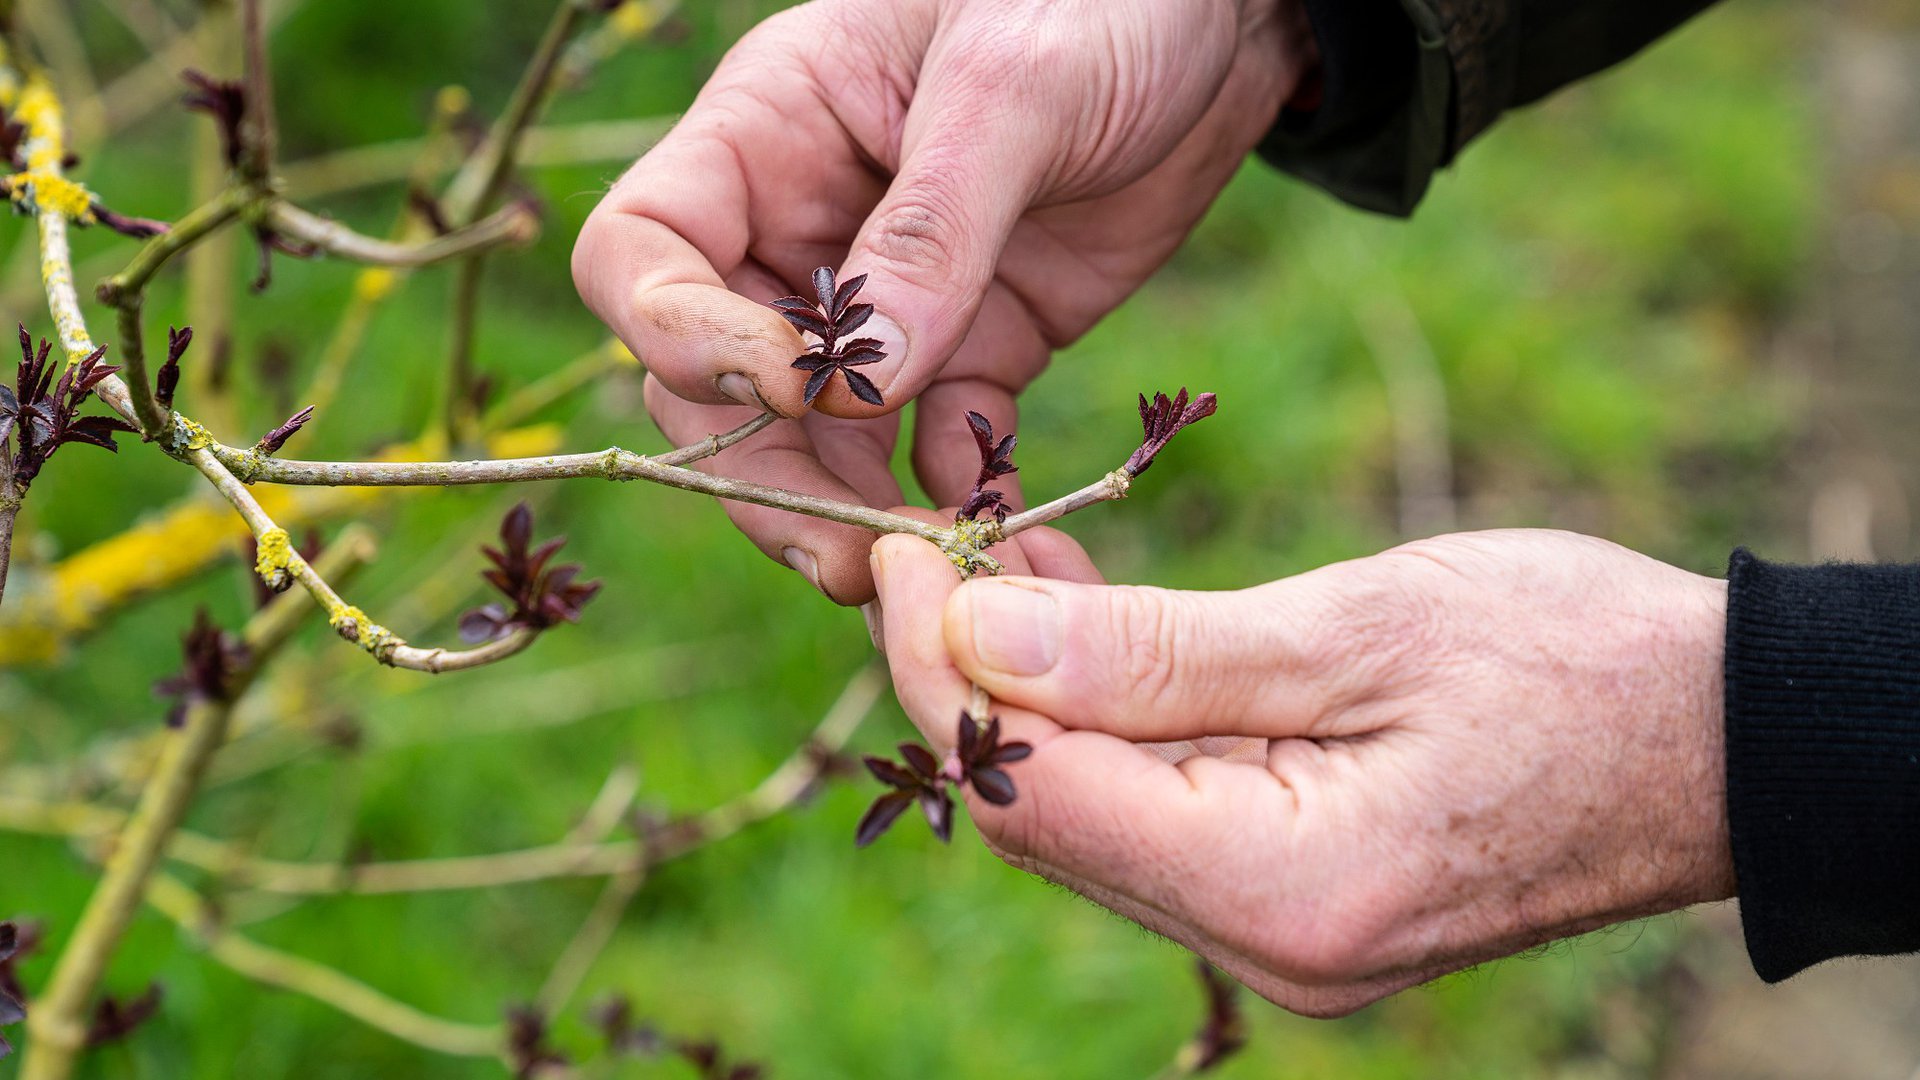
[{"x": 272, "y": 441}]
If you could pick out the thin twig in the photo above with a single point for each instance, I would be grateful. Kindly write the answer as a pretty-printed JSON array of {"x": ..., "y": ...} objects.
[
  {"x": 223, "y": 208},
  {"x": 58, "y": 1021},
  {"x": 556, "y": 385},
  {"x": 513, "y": 224},
  {"x": 1112, "y": 486},
  {"x": 257, "y": 122},
  {"x": 481, "y": 181},
  {"x": 590, "y": 940},
  {"x": 612, "y": 463},
  {"x": 9, "y": 507},
  {"x": 459, "y": 409},
  {"x": 319, "y": 982},
  {"x": 583, "y": 143}
]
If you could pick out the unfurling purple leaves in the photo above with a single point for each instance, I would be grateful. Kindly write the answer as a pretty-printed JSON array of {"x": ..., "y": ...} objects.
[
  {"x": 43, "y": 415},
  {"x": 114, "y": 1019},
  {"x": 1161, "y": 420},
  {"x": 996, "y": 461},
  {"x": 528, "y": 1050},
  {"x": 167, "y": 379},
  {"x": 212, "y": 658},
  {"x": 625, "y": 1037},
  {"x": 832, "y": 318},
  {"x": 272, "y": 441},
  {"x": 921, "y": 778},
  {"x": 540, "y": 595},
  {"x": 223, "y": 99},
  {"x": 1224, "y": 1031}
]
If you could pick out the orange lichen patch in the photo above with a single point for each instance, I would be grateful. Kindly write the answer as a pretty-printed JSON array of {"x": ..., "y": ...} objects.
[{"x": 47, "y": 611}]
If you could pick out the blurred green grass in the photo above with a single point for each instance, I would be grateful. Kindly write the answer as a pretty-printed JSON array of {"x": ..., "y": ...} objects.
[{"x": 1596, "y": 281}]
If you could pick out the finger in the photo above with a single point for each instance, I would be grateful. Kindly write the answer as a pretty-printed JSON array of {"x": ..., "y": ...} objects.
[
  {"x": 651, "y": 260},
  {"x": 1054, "y": 554},
  {"x": 832, "y": 556},
  {"x": 859, "y": 452},
  {"x": 1141, "y": 663},
  {"x": 1081, "y": 794},
  {"x": 973, "y": 157}
]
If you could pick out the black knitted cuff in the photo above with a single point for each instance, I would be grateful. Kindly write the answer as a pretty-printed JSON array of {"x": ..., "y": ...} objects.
[{"x": 1823, "y": 759}]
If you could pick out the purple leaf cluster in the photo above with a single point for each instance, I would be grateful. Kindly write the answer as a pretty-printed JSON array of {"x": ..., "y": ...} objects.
[
  {"x": 16, "y": 942},
  {"x": 538, "y": 595},
  {"x": 528, "y": 1050},
  {"x": 167, "y": 379},
  {"x": 996, "y": 461},
  {"x": 114, "y": 1019},
  {"x": 212, "y": 658},
  {"x": 1162, "y": 420},
  {"x": 1224, "y": 1031},
  {"x": 628, "y": 1038},
  {"x": 225, "y": 100},
  {"x": 831, "y": 319},
  {"x": 42, "y": 415},
  {"x": 920, "y": 778}
]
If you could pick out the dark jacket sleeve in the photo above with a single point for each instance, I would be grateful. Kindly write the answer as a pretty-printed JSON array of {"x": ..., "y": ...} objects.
[
  {"x": 1823, "y": 759},
  {"x": 1408, "y": 83}
]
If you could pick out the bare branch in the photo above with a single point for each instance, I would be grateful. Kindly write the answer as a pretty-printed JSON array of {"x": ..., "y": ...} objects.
[
  {"x": 514, "y": 224},
  {"x": 9, "y": 508},
  {"x": 1106, "y": 489},
  {"x": 612, "y": 463},
  {"x": 58, "y": 1021},
  {"x": 584, "y": 143},
  {"x": 257, "y": 125},
  {"x": 483, "y": 177},
  {"x": 319, "y": 982}
]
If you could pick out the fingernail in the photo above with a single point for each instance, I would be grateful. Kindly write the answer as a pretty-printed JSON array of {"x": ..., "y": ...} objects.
[
  {"x": 740, "y": 388},
  {"x": 1016, "y": 631},
  {"x": 876, "y": 628},
  {"x": 803, "y": 562},
  {"x": 893, "y": 342}
]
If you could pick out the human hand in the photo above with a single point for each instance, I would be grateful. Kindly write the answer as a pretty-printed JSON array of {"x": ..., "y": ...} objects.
[
  {"x": 1005, "y": 171},
  {"x": 1462, "y": 747}
]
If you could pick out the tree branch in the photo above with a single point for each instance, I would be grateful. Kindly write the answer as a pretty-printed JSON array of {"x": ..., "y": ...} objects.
[
  {"x": 1112, "y": 486},
  {"x": 481, "y": 180},
  {"x": 257, "y": 124},
  {"x": 58, "y": 1021},
  {"x": 612, "y": 463},
  {"x": 583, "y": 143},
  {"x": 514, "y": 224},
  {"x": 9, "y": 508},
  {"x": 285, "y": 971}
]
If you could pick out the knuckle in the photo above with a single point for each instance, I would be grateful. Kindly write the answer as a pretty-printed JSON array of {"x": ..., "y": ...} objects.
[
  {"x": 920, "y": 236},
  {"x": 1149, "y": 626}
]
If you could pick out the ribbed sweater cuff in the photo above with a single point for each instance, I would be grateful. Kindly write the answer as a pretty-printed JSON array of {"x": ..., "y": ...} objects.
[{"x": 1823, "y": 759}]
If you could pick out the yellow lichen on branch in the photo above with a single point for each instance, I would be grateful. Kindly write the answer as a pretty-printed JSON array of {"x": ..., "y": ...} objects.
[{"x": 48, "y": 610}]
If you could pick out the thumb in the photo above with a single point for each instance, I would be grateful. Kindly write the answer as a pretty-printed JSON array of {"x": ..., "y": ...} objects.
[
  {"x": 970, "y": 167},
  {"x": 1144, "y": 664}
]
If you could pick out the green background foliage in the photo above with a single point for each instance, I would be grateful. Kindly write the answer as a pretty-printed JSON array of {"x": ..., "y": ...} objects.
[{"x": 1596, "y": 282}]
